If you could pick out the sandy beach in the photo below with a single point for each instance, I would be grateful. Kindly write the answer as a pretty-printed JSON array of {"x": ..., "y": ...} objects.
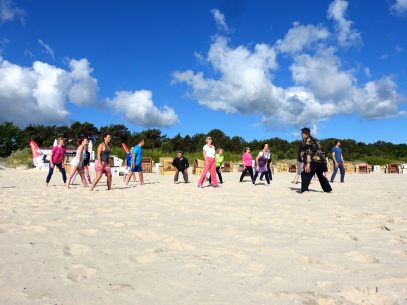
[{"x": 176, "y": 244}]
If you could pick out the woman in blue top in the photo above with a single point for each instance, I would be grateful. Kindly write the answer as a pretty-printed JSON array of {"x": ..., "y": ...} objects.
[{"x": 137, "y": 155}]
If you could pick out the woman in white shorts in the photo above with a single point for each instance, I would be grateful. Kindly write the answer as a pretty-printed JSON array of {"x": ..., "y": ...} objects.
[{"x": 77, "y": 162}]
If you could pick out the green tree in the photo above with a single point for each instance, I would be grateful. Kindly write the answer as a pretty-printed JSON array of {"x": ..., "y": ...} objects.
[
  {"x": 78, "y": 129},
  {"x": 120, "y": 134},
  {"x": 9, "y": 134}
]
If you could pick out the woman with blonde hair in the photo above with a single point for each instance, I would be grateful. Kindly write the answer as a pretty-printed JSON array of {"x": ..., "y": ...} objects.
[
  {"x": 77, "y": 162},
  {"x": 210, "y": 163},
  {"x": 218, "y": 162}
]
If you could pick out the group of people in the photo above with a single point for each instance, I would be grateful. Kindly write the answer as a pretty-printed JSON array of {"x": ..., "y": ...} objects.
[{"x": 312, "y": 162}]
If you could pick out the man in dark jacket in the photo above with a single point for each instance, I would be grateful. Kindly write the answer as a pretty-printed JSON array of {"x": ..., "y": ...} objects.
[
  {"x": 313, "y": 160},
  {"x": 181, "y": 164}
]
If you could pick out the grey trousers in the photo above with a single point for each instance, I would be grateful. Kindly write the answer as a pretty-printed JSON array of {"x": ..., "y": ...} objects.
[{"x": 184, "y": 174}]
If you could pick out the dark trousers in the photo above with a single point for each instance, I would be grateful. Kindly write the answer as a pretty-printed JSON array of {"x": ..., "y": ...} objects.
[
  {"x": 219, "y": 175},
  {"x": 317, "y": 168},
  {"x": 341, "y": 169},
  {"x": 247, "y": 169},
  {"x": 268, "y": 173},
  {"x": 265, "y": 174},
  {"x": 184, "y": 175},
  {"x": 51, "y": 171}
]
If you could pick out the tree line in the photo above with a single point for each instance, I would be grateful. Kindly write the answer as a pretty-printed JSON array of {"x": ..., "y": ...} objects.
[{"x": 12, "y": 138}]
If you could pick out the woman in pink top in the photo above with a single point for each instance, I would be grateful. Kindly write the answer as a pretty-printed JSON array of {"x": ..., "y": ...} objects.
[
  {"x": 56, "y": 159},
  {"x": 210, "y": 164},
  {"x": 247, "y": 163}
]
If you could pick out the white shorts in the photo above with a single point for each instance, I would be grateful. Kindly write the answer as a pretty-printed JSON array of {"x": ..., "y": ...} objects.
[{"x": 75, "y": 162}]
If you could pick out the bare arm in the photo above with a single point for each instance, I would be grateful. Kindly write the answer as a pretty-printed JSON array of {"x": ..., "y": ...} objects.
[
  {"x": 257, "y": 161},
  {"x": 133, "y": 161},
  {"x": 99, "y": 153},
  {"x": 204, "y": 154}
]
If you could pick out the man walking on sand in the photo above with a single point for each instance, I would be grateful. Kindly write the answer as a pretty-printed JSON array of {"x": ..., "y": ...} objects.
[
  {"x": 338, "y": 161},
  {"x": 313, "y": 162}
]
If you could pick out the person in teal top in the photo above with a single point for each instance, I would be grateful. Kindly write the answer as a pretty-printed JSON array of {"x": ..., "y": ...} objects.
[
  {"x": 218, "y": 161},
  {"x": 136, "y": 167}
]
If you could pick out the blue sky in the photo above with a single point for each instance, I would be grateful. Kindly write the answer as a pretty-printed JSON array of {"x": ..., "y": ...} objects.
[{"x": 255, "y": 69}]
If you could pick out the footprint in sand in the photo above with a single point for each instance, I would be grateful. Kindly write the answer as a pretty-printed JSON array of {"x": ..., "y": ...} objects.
[
  {"x": 308, "y": 260},
  {"x": 88, "y": 232},
  {"x": 361, "y": 257},
  {"x": 77, "y": 273},
  {"x": 175, "y": 244},
  {"x": 147, "y": 235},
  {"x": 120, "y": 287},
  {"x": 367, "y": 295},
  {"x": 76, "y": 249},
  {"x": 143, "y": 259},
  {"x": 36, "y": 229}
]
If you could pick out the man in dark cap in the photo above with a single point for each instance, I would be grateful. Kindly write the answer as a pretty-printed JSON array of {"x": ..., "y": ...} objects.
[{"x": 313, "y": 160}]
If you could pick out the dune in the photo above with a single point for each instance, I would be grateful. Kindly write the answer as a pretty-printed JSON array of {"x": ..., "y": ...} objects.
[{"x": 163, "y": 243}]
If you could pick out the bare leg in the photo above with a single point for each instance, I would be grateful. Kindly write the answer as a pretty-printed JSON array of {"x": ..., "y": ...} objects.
[
  {"x": 134, "y": 177},
  {"x": 82, "y": 175},
  {"x": 128, "y": 177},
  {"x": 71, "y": 174},
  {"x": 140, "y": 174},
  {"x": 95, "y": 182},
  {"x": 109, "y": 181}
]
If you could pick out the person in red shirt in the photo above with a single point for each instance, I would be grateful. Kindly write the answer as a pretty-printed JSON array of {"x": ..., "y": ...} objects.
[{"x": 57, "y": 159}]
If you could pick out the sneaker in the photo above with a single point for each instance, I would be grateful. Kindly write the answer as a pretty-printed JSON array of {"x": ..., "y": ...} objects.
[{"x": 199, "y": 185}]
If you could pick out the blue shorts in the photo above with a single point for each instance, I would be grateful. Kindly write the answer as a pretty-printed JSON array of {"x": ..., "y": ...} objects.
[{"x": 136, "y": 169}]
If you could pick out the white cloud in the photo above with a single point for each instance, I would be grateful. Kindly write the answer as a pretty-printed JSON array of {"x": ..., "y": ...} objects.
[
  {"x": 46, "y": 48},
  {"x": 138, "y": 108},
  {"x": 321, "y": 88},
  {"x": 301, "y": 36},
  {"x": 9, "y": 12},
  {"x": 38, "y": 94},
  {"x": 321, "y": 73},
  {"x": 84, "y": 87},
  {"x": 399, "y": 7},
  {"x": 346, "y": 35},
  {"x": 377, "y": 99},
  {"x": 220, "y": 20}
]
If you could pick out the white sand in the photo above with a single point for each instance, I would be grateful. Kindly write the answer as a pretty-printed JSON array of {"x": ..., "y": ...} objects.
[{"x": 177, "y": 244}]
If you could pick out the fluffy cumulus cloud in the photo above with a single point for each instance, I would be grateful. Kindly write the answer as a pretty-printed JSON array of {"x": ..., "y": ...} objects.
[
  {"x": 399, "y": 7},
  {"x": 9, "y": 12},
  {"x": 39, "y": 94},
  {"x": 301, "y": 36},
  {"x": 244, "y": 78},
  {"x": 138, "y": 108},
  {"x": 347, "y": 36},
  {"x": 84, "y": 89}
]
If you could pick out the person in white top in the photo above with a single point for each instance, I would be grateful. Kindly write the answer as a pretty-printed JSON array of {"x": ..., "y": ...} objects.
[
  {"x": 210, "y": 164},
  {"x": 77, "y": 162}
]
